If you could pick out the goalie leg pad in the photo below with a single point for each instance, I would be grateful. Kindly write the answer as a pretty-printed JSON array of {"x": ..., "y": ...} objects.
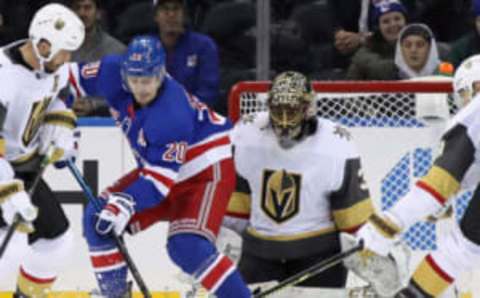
[
  {"x": 197, "y": 256},
  {"x": 45, "y": 259}
]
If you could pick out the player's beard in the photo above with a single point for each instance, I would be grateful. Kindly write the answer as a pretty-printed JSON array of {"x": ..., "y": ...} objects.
[{"x": 50, "y": 67}]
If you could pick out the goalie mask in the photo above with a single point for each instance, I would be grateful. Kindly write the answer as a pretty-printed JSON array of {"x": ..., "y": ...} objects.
[
  {"x": 466, "y": 81},
  {"x": 288, "y": 102}
]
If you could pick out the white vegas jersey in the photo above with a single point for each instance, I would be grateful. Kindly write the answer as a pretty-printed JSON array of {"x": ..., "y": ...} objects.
[
  {"x": 27, "y": 97},
  {"x": 298, "y": 190},
  {"x": 468, "y": 118}
]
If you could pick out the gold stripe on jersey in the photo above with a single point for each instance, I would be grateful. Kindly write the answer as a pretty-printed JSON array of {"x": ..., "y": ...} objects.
[
  {"x": 430, "y": 278},
  {"x": 2, "y": 147},
  {"x": 297, "y": 236},
  {"x": 63, "y": 118},
  {"x": 9, "y": 189},
  {"x": 239, "y": 204},
  {"x": 439, "y": 183},
  {"x": 350, "y": 218},
  {"x": 383, "y": 225}
]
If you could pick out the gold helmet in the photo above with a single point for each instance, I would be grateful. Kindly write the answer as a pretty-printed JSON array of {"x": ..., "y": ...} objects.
[{"x": 289, "y": 101}]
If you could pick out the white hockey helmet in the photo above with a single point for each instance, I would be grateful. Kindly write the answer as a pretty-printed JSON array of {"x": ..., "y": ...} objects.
[
  {"x": 463, "y": 81},
  {"x": 58, "y": 25}
]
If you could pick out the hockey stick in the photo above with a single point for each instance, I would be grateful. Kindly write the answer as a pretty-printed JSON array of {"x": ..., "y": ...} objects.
[
  {"x": 17, "y": 219},
  {"x": 118, "y": 240},
  {"x": 310, "y": 272}
]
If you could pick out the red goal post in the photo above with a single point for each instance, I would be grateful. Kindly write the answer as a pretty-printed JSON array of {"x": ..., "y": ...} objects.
[{"x": 345, "y": 87}]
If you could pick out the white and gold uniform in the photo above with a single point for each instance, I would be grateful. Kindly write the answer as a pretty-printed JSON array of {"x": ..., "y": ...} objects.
[
  {"x": 28, "y": 101},
  {"x": 457, "y": 168},
  {"x": 296, "y": 200}
]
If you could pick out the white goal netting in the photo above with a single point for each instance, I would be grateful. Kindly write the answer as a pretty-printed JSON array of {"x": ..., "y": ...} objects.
[{"x": 396, "y": 125}]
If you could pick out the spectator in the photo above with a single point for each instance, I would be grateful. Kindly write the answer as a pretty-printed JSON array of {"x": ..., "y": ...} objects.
[
  {"x": 232, "y": 26},
  {"x": 448, "y": 19},
  {"x": 97, "y": 44},
  {"x": 417, "y": 55},
  {"x": 374, "y": 61},
  {"x": 347, "y": 37},
  {"x": 192, "y": 58},
  {"x": 468, "y": 44},
  {"x": 14, "y": 20}
]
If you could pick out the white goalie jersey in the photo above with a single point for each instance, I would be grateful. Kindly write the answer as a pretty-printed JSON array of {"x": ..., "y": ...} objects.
[
  {"x": 28, "y": 100},
  {"x": 314, "y": 188}
]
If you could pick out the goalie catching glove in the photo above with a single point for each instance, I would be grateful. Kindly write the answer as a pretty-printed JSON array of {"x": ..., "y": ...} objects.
[
  {"x": 116, "y": 214},
  {"x": 15, "y": 201}
]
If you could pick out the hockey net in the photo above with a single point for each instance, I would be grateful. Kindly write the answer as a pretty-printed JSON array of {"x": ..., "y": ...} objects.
[{"x": 396, "y": 126}]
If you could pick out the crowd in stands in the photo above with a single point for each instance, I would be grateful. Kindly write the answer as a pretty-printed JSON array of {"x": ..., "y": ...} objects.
[{"x": 211, "y": 43}]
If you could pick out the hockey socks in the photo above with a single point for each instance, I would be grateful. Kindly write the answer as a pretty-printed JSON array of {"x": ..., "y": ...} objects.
[
  {"x": 222, "y": 278},
  {"x": 111, "y": 272},
  {"x": 198, "y": 257},
  {"x": 30, "y": 285}
]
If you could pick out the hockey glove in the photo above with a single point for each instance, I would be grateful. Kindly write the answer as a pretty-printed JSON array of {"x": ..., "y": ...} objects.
[
  {"x": 378, "y": 234},
  {"x": 386, "y": 274},
  {"x": 16, "y": 201},
  {"x": 60, "y": 134},
  {"x": 116, "y": 214}
]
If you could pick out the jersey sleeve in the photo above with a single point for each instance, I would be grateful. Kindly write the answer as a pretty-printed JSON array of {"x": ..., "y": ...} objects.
[
  {"x": 7, "y": 94},
  {"x": 351, "y": 205},
  {"x": 445, "y": 176},
  {"x": 83, "y": 78},
  {"x": 100, "y": 78},
  {"x": 240, "y": 200}
]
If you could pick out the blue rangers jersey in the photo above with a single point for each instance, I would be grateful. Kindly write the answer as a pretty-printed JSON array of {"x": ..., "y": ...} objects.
[{"x": 173, "y": 138}]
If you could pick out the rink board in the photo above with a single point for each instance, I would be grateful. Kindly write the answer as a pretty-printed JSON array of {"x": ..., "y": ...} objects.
[{"x": 103, "y": 146}]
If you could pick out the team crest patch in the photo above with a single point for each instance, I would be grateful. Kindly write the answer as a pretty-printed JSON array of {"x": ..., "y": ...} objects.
[
  {"x": 141, "y": 139},
  {"x": 90, "y": 70},
  {"x": 280, "y": 194}
]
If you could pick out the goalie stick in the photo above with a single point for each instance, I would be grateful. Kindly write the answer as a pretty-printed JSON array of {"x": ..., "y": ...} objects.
[
  {"x": 17, "y": 219},
  {"x": 118, "y": 240},
  {"x": 310, "y": 272}
]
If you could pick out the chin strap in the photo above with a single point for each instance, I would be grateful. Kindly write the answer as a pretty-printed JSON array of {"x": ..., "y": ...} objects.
[{"x": 41, "y": 72}]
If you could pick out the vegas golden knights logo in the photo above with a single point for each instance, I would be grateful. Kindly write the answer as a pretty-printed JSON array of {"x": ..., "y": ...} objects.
[
  {"x": 280, "y": 194},
  {"x": 35, "y": 120}
]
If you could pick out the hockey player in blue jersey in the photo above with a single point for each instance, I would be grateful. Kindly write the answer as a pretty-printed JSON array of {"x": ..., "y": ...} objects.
[{"x": 185, "y": 171}]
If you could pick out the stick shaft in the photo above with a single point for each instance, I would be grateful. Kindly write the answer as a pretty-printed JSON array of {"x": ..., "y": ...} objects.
[
  {"x": 118, "y": 240},
  {"x": 310, "y": 272}
]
